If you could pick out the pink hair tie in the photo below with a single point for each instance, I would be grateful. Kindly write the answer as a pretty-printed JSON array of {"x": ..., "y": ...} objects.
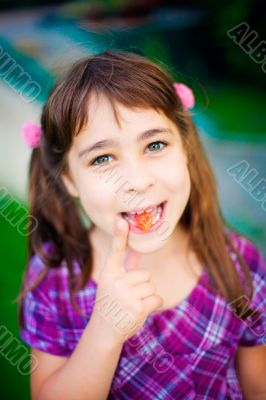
[
  {"x": 32, "y": 134},
  {"x": 185, "y": 95}
]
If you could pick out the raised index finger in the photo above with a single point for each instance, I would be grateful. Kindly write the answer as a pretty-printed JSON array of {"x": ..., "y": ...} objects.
[
  {"x": 132, "y": 260},
  {"x": 117, "y": 252}
]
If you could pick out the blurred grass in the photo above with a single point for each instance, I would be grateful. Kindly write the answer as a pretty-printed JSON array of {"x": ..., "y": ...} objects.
[
  {"x": 239, "y": 111},
  {"x": 13, "y": 252}
]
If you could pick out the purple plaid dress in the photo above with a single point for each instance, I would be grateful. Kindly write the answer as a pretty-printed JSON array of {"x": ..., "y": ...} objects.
[{"x": 186, "y": 352}]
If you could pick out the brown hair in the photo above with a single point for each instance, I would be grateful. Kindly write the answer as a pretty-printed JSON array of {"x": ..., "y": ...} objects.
[{"x": 133, "y": 81}]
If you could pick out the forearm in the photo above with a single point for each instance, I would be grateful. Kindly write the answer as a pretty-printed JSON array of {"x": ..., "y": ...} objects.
[
  {"x": 255, "y": 396},
  {"x": 89, "y": 372}
]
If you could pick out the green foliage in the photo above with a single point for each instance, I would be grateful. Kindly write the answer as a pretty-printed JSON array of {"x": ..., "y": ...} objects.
[{"x": 13, "y": 257}]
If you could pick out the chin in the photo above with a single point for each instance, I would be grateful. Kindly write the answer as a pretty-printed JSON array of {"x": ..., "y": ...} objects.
[{"x": 152, "y": 243}]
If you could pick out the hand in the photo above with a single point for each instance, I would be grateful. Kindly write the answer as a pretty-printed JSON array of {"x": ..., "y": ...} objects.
[{"x": 125, "y": 294}]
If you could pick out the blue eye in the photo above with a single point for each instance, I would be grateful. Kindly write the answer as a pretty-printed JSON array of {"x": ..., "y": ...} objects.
[
  {"x": 98, "y": 158},
  {"x": 95, "y": 161},
  {"x": 156, "y": 143}
]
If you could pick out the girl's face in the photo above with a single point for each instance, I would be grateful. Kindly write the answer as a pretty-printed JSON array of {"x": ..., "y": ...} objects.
[{"x": 120, "y": 169}]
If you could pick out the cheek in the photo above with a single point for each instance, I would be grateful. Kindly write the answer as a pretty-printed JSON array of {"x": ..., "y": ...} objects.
[
  {"x": 97, "y": 189},
  {"x": 180, "y": 186},
  {"x": 183, "y": 179},
  {"x": 175, "y": 174},
  {"x": 180, "y": 189}
]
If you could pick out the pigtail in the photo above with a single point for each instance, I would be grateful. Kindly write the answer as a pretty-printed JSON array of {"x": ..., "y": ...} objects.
[
  {"x": 59, "y": 227},
  {"x": 209, "y": 231}
]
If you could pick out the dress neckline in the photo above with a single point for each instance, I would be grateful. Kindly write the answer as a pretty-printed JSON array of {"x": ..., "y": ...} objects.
[
  {"x": 202, "y": 277},
  {"x": 186, "y": 299}
]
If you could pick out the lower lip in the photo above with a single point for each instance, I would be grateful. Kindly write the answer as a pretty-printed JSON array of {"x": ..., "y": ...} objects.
[{"x": 155, "y": 226}]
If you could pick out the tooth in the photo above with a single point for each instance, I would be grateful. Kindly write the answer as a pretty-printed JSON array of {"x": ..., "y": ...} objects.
[
  {"x": 130, "y": 217},
  {"x": 158, "y": 215},
  {"x": 156, "y": 219},
  {"x": 149, "y": 209}
]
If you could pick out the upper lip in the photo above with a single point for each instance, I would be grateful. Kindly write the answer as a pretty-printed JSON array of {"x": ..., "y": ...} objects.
[{"x": 143, "y": 208}]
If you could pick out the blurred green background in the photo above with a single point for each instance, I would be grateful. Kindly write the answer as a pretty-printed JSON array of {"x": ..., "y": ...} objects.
[{"x": 191, "y": 38}]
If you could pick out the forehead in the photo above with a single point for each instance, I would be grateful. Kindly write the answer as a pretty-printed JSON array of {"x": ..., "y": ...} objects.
[{"x": 106, "y": 118}]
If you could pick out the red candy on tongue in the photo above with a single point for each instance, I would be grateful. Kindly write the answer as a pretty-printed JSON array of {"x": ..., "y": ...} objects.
[{"x": 144, "y": 221}]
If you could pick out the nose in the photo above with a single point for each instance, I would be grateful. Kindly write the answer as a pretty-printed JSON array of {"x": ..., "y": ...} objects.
[{"x": 137, "y": 178}]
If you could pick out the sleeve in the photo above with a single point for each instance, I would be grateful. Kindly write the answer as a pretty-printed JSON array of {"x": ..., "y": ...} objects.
[
  {"x": 254, "y": 333},
  {"x": 41, "y": 329}
]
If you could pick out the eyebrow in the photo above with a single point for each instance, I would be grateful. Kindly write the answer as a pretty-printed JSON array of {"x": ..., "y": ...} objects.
[{"x": 110, "y": 142}]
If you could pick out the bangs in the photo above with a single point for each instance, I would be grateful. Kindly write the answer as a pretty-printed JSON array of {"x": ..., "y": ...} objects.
[{"x": 133, "y": 81}]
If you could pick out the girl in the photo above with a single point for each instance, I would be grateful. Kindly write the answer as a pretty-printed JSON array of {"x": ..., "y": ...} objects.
[{"x": 155, "y": 298}]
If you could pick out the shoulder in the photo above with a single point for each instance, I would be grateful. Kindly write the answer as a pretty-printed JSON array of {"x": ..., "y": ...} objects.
[
  {"x": 250, "y": 252},
  {"x": 50, "y": 321},
  {"x": 51, "y": 286},
  {"x": 43, "y": 286},
  {"x": 254, "y": 327},
  {"x": 38, "y": 270}
]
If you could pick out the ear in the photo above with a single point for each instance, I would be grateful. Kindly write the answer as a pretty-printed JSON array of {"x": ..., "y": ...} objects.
[{"x": 70, "y": 186}]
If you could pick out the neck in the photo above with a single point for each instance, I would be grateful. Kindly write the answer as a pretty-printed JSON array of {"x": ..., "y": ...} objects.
[{"x": 174, "y": 252}]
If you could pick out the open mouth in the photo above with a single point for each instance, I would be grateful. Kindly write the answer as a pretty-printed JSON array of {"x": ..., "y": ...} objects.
[{"x": 156, "y": 216}]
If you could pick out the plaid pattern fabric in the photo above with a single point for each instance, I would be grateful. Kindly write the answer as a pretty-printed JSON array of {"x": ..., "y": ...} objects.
[{"x": 186, "y": 352}]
